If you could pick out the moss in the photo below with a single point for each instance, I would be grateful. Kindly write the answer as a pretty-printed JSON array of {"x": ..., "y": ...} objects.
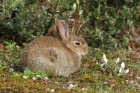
[
  {"x": 89, "y": 76},
  {"x": 9, "y": 83}
]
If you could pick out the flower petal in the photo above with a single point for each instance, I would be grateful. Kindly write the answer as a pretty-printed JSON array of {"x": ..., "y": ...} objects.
[
  {"x": 122, "y": 65},
  {"x": 118, "y": 60},
  {"x": 126, "y": 71}
]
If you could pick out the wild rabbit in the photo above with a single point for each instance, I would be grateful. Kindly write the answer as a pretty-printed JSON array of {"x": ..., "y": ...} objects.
[{"x": 61, "y": 57}]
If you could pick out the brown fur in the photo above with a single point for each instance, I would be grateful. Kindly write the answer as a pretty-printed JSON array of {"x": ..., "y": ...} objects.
[{"x": 48, "y": 53}]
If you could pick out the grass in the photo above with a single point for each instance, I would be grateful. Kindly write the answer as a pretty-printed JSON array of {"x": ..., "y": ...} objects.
[{"x": 90, "y": 78}]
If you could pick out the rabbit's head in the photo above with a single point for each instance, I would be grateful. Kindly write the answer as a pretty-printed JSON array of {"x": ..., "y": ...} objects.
[{"x": 75, "y": 43}]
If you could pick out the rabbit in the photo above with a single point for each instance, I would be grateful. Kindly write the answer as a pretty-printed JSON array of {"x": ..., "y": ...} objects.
[{"x": 61, "y": 57}]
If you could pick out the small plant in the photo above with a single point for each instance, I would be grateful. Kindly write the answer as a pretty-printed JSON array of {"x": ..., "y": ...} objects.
[
  {"x": 122, "y": 70},
  {"x": 29, "y": 74},
  {"x": 12, "y": 47},
  {"x": 2, "y": 67},
  {"x": 16, "y": 75},
  {"x": 13, "y": 50},
  {"x": 115, "y": 67}
]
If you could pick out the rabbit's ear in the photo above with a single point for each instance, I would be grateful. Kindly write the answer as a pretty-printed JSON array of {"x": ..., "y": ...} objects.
[{"x": 62, "y": 27}]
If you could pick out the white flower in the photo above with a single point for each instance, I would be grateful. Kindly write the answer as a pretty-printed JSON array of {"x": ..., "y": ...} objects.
[
  {"x": 34, "y": 78},
  {"x": 81, "y": 12},
  {"x": 74, "y": 6},
  {"x": 83, "y": 89},
  {"x": 122, "y": 65},
  {"x": 97, "y": 62},
  {"x": 38, "y": 77},
  {"x": 25, "y": 77},
  {"x": 46, "y": 78},
  {"x": 105, "y": 60},
  {"x": 118, "y": 60},
  {"x": 56, "y": 82},
  {"x": 52, "y": 90},
  {"x": 11, "y": 70},
  {"x": 47, "y": 89},
  {"x": 120, "y": 70},
  {"x": 104, "y": 56},
  {"x": 71, "y": 86},
  {"x": 138, "y": 78},
  {"x": 17, "y": 46},
  {"x": 126, "y": 71}
]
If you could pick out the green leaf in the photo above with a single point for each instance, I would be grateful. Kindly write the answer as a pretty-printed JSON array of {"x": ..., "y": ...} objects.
[
  {"x": 74, "y": 7},
  {"x": 2, "y": 67},
  {"x": 14, "y": 3},
  {"x": 77, "y": 1}
]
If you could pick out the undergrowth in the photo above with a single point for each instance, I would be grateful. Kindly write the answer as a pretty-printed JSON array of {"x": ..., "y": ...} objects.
[
  {"x": 105, "y": 24},
  {"x": 92, "y": 77}
]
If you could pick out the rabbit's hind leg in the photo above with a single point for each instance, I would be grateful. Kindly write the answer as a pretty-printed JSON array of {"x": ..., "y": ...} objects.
[{"x": 43, "y": 64}]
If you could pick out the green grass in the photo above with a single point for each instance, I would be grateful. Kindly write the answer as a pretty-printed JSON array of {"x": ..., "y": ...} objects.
[{"x": 90, "y": 78}]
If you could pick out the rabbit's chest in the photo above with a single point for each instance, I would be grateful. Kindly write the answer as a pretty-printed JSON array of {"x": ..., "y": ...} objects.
[{"x": 69, "y": 64}]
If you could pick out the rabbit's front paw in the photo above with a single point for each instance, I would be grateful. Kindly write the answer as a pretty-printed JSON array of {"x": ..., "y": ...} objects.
[{"x": 64, "y": 72}]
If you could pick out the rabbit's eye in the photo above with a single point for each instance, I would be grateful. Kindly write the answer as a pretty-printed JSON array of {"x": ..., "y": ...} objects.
[{"x": 77, "y": 43}]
